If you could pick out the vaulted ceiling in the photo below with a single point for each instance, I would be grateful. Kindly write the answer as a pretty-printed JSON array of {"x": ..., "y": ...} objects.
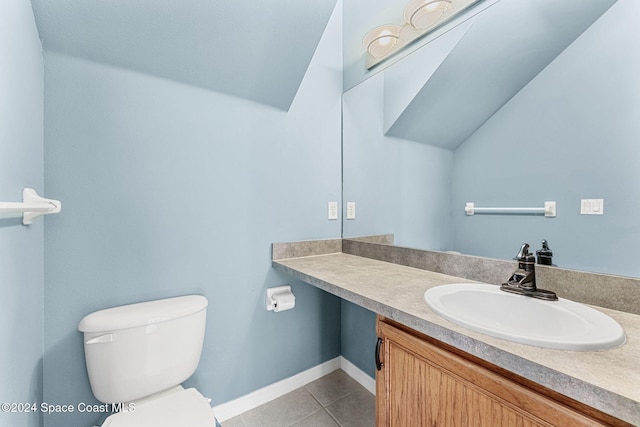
[
  {"x": 468, "y": 74},
  {"x": 258, "y": 51}
]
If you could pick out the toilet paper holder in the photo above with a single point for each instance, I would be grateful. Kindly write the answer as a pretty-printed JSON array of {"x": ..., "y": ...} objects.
[{"x": 277, "y": 293}]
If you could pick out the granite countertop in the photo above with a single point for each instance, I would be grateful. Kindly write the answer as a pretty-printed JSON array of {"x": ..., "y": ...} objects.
[{"x": 606, "y": 380}]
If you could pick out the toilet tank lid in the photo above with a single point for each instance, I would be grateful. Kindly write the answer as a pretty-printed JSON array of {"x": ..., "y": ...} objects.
[{"x": 144, "y": 313}]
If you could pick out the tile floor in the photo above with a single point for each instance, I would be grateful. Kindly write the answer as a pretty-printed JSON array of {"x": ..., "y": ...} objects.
[{"x": 335, "y": 400}]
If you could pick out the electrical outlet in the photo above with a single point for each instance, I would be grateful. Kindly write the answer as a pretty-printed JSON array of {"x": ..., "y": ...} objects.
[{"x": 332, "y": 210}]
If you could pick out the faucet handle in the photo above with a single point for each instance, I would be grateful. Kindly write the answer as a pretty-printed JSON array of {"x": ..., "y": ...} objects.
[
  {"x": 526, "y": 260},
  {"x": 524, "y": 253}
]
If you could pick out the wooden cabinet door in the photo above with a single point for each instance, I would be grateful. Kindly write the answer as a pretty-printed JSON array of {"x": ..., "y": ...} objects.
[{"x": 421, "y": 384}]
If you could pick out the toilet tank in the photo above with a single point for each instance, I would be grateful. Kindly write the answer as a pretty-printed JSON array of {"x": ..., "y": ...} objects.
[{"x": 137, "y": 350}]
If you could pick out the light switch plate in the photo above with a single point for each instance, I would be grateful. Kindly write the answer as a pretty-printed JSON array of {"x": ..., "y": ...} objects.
[
  {"x": 351, "y": 210},
  {"x": 332, "y": 210},
  {"x": 592, "y": 207}
]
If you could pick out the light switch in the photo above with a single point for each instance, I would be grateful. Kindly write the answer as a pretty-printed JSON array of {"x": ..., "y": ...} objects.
[
  {"x": 332, "y": 210},
  {"x": 351, "y": 210},
  {"x": 592, "y": 206}
]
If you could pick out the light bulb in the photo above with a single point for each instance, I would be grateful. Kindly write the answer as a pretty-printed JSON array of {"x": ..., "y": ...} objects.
[
  {"x": 381, "y": 40},
  {"x": 422, "y": 14}
]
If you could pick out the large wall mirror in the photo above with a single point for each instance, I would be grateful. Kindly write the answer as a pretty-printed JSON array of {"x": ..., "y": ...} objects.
[{"x": 525, "y": 102}]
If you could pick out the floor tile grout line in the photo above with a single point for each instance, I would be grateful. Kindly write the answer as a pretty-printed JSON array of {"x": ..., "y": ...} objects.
[
  {"x": 330, "y": 403},
  {"x": 317, "y": 400},
  {"x": 333, "y": 418},
  {"x": 313, "y": 395},
  {"x": 310, "y": 413},
  {"x": 324, "y": 407},
  {"x": 307, "y": 416}
]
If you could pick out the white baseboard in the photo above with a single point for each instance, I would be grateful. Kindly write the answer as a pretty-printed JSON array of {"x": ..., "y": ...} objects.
[
  {"x": 266, "y": 394},
  {"x": 357, "y": 374}
]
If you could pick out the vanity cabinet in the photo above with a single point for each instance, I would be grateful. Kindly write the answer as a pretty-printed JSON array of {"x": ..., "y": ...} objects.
[{"x": 423, "y": 382}]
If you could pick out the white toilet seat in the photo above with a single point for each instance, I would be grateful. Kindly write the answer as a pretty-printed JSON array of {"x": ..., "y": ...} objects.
[{"x": 182, "y": 408}]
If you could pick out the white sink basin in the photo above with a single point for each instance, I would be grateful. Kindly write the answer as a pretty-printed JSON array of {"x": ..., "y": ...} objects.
[{"x": 562, "y": 324}]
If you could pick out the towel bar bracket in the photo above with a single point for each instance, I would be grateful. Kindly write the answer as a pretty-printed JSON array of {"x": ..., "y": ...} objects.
[{"x": 32, "y": 207}]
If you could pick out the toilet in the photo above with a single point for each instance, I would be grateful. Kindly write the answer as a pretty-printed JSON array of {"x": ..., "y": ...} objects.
[{"x": 138, "y": 355}]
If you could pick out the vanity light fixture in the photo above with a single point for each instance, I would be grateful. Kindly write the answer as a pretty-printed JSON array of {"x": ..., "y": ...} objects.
[
  {"x": 424, "y": 14},
  {"x": 380, "y": 41},
  {"x": 421, "y": 17}
]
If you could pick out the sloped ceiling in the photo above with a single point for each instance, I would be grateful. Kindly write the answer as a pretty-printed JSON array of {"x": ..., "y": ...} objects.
[
  {"x": 406, "y": 78},
  {"x": 503, "y": 49},
  {"x": 258, "y": 51}
]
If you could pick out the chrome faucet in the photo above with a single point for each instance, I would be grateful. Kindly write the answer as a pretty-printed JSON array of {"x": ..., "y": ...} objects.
[{"x": 523, "y": 280}]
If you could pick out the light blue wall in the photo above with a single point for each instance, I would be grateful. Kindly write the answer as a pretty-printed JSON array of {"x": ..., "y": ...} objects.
[
  {"x": 21, "y": 248},
  {"x": 169, "y": 189},
  {"x": 577, "y": 123},
  {"x": 358, "y": 336},
  {"x": 399, "y": 186}
]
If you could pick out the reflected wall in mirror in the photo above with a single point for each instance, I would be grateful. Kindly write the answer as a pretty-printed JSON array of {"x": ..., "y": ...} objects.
[{"x": 526, "y": 102}]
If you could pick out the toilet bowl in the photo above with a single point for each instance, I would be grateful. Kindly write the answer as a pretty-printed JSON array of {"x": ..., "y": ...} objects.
[{"x": 140, "y": 354}]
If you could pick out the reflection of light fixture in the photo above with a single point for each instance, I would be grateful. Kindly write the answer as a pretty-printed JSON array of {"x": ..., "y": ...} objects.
[
  {"x": 381, "y": 40},
  {"x": 421, "y": 16},
  {"x": 425, "y": 13}
]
